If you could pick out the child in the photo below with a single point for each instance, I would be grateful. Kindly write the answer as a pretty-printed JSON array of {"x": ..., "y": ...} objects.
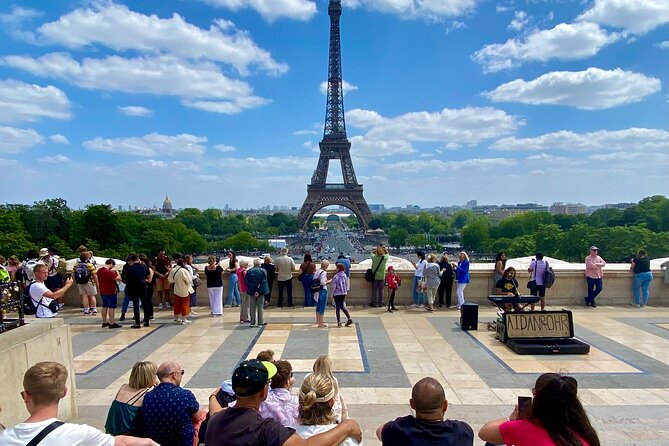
[
  {"x": 393, "y": 281},
  {"x": 339, "y": 284}
]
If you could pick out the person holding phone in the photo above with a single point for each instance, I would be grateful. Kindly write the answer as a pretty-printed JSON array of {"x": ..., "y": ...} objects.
[{"x": 555, "y": 417}]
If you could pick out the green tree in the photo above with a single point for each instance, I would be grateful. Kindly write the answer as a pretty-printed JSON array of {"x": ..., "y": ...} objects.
[
  {"x": 475, "y": 235},
  {"x": 398, "y": 237},
  {"x": 194, "y": 218},
  {"x": 244, "y": 241},
  {"x": 521, "y": 246},
  {"x": 416, "y": 240},
  {"x": 575, "y": 243},
  {"x": 548, "y": 239}
]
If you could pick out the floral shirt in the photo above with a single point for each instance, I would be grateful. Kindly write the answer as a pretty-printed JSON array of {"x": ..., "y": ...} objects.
[{"x": 282, "y": 406}]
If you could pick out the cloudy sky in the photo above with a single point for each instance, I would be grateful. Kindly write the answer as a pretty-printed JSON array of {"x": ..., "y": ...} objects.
[{"x": 217, "y": 102}]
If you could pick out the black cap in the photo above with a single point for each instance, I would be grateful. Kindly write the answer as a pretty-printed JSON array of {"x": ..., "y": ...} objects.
[{"x": 251, "y": 376}]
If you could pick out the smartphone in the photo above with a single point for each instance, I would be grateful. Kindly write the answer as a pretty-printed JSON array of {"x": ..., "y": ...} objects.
[{"x": 524, "y": 407}]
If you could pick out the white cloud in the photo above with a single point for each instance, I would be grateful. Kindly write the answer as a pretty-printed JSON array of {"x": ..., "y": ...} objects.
[
  {"x": 56, "y": 159},
  {"x": 564, "y": 41},
  {"x": 153, "y": 144},
  {"x": 663, "y": 44},
  {"x": 346, "y": 87},
  {"x": 117, "y": 27},
  {"x": 430, "y": 9},
  {"x": 520, "y": 21},
  {"x": 172, "y": 166},
  {"x": 455, "y": 25},
  {"x": 225, "y": 149},
  {"x": 469, "y": 125},
  {"x": 136, "y": 110},
  {"x": 432, "y": 165},
  {"x": 59, "y": 139},
  {"x": 634, "y": 16},
  {"x": 283, "y": 164},
  {"x": 628, "y": 140},
  {"x": 15, "y": 140},
  {"x": 592, "y": 89},
  {"x": 13, "y": 23},
  {"x": 272, "y": 10},
  {"x": 21, "y": 102},
  {"x": 363, "y": 147},
  {"x": 159, "y": 75}
]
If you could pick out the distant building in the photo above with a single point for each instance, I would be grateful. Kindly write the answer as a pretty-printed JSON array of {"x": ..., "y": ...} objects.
[
  {"x": 621, "y": 206},
  {"x": 561, "y": 208},
  {"x": 471, "y": 204},
  {"x": 377, "y": 207}
]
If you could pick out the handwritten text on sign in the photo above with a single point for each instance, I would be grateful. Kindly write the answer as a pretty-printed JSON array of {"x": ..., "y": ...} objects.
[{"x": 538, "y": 325}]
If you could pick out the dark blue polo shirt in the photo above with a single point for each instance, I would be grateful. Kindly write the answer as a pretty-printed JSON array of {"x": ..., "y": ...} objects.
[{"x": 166, "y": 413}]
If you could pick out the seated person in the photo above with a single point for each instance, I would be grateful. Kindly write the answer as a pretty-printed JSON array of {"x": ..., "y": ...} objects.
[
  {"x": 242, "y": 424},
  {"x": 428, "y": 426},
  {"x": 317, "y": 397},
  {"x": 508, "y": 286},
  {"x": 556, "y": 417},
  {"x": 44, "y": 385}
]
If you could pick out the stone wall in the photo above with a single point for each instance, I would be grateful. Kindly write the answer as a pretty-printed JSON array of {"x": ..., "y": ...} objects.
[
  {"x": 23, "y": 347},
  {"x": 569, "y": 288}
]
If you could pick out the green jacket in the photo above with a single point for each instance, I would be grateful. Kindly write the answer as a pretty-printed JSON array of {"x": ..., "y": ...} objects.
[{"x": 381, "y": 272}]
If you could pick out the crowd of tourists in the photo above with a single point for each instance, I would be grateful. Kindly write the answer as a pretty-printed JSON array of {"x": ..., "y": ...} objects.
[{"x": 255, "y": 406}]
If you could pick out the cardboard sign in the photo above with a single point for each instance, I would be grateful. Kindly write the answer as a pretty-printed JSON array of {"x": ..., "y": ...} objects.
[{"x": 545, "y": 324}]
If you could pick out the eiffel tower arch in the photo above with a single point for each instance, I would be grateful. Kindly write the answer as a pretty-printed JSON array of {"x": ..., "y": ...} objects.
[{"x": 334, "y": 145}]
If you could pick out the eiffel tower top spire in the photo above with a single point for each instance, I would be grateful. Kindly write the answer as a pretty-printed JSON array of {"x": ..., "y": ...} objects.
[{"x": 335, "y": 124}]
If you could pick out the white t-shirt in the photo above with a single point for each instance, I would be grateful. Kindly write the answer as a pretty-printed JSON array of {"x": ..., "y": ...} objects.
[
  {"x": 37, "y": 290},
  {"x": 420, "y": 268},
  {"x": 309, "y": 431},
  {"x": 68, "y": 434}
]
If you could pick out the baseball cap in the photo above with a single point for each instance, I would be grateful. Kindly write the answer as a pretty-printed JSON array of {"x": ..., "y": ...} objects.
[
  {"x": 391, "y": 268},
  {"x": 43, "y": 252},
  {"x": 251, "y": 376},
  {"x": 594, "y": 248}
]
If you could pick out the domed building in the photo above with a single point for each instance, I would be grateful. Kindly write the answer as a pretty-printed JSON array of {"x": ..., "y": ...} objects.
[{"x": 167, "y": 206}]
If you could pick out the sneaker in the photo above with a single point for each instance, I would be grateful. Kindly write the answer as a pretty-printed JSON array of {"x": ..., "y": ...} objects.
[
  {"x": 263, "y": 324},
  {"x": 151, "y": 318},
  {"x": 338, "y": 324},
  {"x": 94, "y": 312},
  {"x": 160, "y": 306},
  {"x": 349, "y": 322},
  {"x": 106, "y": 324},
  {"x": 185, "y": 322},
  {"x": 135, "y": 326},
  {"x": 131, "y": 305},
  {"x": 226, "y": 306},
  {"x": 252, "y": 325},
  {"x": 167, "y": 305},
  {"x": 421, "y": 306},
  {"x": 389, "y": 310},
  {"x": 115, "y": 325},
  {"x": 85, "y": 312},
  {"x": 192, "y": 314},
  {"x": 177, "y": 321},
  {"x": 146, "y": 324},
  {"x": 593, "y": 305},
  {"x": 122, "y": 318}
]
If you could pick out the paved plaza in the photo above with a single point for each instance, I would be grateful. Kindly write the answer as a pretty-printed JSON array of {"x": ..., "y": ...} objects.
[{"x": 624, "y": 381}]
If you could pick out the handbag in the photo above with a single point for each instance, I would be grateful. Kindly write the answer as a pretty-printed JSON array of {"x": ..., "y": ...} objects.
[
  {"x": 370, "y": 275},
  {"x": 421, "y": 286}
]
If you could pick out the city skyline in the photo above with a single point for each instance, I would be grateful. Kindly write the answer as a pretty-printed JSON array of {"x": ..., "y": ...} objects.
[{"x": 214, "y": 102}]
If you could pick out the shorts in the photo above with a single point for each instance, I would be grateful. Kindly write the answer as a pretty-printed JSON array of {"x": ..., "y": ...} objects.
[
  {"x": 322, "y": 301},
  {"x": 538, "y": 290},
  {"x": 87, "y": 289},
  {"x": 108, "y": 300},
  {"x": 162, "y": 284}
]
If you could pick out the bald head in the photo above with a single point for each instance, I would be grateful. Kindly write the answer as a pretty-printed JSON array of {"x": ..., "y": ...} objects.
[
  {"x": 166, "y": 370},
  {"x": 428, "y": 398}
]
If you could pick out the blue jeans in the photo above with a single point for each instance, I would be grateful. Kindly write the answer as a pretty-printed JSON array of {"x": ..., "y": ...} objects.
[
  {"x": 641, "y": 282},
  {"x": 306, "y": 284},
  {"x": 234, "y": 297},
  {"x": 126, "y": 302},
  {"x": 594, "y": 288},
  {"x": 418, "y": 298},
  {"x": 322, "y": 301}
]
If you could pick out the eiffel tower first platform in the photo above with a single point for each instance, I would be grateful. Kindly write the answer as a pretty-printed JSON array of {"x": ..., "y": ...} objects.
[{"x": 335, "y": 145}]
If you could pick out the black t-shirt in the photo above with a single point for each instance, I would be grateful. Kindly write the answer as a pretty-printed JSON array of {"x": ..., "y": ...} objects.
[
  {"x": 641, "y": 265},
  {"x": 270, "y": 269},
  {"x": 507, "y": 285},
  {"x": 241, "y": 426},
  {"x": 214, "y": 278},
  {"x": 447, "y": 275},
  {"x": 410, "y": 431},
  {"x": 134, "y": 278}
]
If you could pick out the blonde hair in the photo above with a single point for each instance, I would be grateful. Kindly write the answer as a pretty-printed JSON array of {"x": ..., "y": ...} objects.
[
  {"x": 325, "y": 264},
  {"x": 431, "y": 258},
  {"x": 243, "y": 263},
  {"x": 323, "y": 365},
  {"x": 143, "y": 375},
  {"x": 268, "y": 259},
  {"x": 464, "y": 254},
  {"x": 45, "y": 382},
  {"x": 315, "y": 394}
]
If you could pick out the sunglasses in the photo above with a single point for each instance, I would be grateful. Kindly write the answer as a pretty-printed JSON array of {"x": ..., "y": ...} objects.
[{"x": 181, "y": 372}]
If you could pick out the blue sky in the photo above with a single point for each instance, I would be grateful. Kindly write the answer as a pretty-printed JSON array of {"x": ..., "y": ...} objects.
[{"x": 217, "y": 102}]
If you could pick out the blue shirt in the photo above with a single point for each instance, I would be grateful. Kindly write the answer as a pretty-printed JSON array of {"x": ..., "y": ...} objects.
[
  {"x": 462, "y": 271},
  {"x": 166, "y": 412},
  {"x": 347, "y": 264}
]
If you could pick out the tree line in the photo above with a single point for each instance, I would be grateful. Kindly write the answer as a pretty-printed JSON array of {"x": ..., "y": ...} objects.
[{"x": 618, "y": 233}]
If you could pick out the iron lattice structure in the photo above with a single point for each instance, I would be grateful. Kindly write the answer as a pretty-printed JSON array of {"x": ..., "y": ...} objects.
[{"x": 335, "y": 144}]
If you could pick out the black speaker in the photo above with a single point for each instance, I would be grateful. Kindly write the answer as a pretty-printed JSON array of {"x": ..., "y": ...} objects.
[{"x": 469, "y": 316}]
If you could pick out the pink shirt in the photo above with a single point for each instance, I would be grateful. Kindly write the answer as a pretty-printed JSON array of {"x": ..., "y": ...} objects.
[
  {"x": 525, "y": 433},
  {"x": 241, "y": 275},
  {"x": 593, "y": 267}
]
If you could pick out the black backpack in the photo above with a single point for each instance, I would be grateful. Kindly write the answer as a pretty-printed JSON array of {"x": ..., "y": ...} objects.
[
  {"x": 316, "y": 283},
  {"x": 28, "y": 304},
  {"x": 549, "y": 276},
  {"x": 81, "y": 273}
]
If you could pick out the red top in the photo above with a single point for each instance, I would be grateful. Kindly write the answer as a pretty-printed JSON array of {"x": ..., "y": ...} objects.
[
  {"x": 393, "y": 280},
  {"x": 107, "y": 280},
  {"x": 526, "y": 433},
  {"x": 241, "y": 275}
]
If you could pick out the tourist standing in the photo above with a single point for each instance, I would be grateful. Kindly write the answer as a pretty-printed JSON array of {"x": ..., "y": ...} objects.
[
  {"x": 418, "y": 294},
  {"x": 321, "y": 293},
  {"x": 41, "y": 296},
  {"x": 664, "y": 267},
  {"x": 284, "y": 275},
  {"x": 135, "y": 278},
  {"x": 537, "y": 270},
  {"x": 163, "y": 265},
  {"x": 169, "y": 411},
  {"x": 123, "y": 417},
  {"x": 54, "y": 281},
  {"x": 270, "y": 269},
  {"x": 85, "y": 277},
  {"x": 149, "y": 283},
  {"x": 428, "y": 426},
  {"x": 234, "y": 296},
  {"x": 109, "y": 279},
  {"x": 256, "y": 288},
  {"x": 196, "y": 282},
  {"x": 432, "y": 275},
  {"x": 347, "y": 265},
  {"x": 394, "y": 282},
  {"x": 500, "y": 266},
  {"x": 245, "y": 306},
  {"x": 593, "y": 276},
  {"x": 462, "y": 275},
  {"x": 214, "y": 274},
  {"x": 307, "y": 270},
  {"x": 445, "y": 289},
  {"x": 183, "y": 286},
  {"x": 642, "y": 278},
  {"x": 379, "y": 261},
  {"x": 339, "y": 284}
]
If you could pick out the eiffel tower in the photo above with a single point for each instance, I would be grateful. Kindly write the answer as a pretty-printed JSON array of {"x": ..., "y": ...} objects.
[{"x": 334, "y": 145}]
